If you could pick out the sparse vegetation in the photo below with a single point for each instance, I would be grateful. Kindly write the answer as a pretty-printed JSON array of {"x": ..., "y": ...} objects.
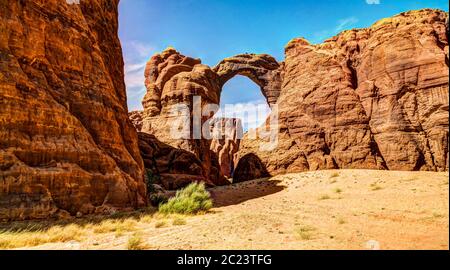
[
  {"x": 341, "y": 221},
  {"x": 147, "y": 228},
  {"x": 375, "y": 187},
  {"x": 324, "y": 197},
  {"x": 190, "y": 200},
  {"x": 334, "y": 175},
  {"x": 108, "y": 226},
  {"x": 160, "y": 224},
  {"x": 35, "y": 233},
  {"x": 338, "y": 190},
  {"x": 305, "y": 232},
  {"x": 31, "y": 237},
  {"x": 178, "y": 221},
  {"x": 135, "y": 242}
]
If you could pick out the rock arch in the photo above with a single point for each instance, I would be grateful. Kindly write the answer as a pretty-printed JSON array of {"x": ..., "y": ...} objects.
[
  {"x": 173, "y": 79},
  {"x": 262, "y": 69},
  {"x": 186, "y": 75}
]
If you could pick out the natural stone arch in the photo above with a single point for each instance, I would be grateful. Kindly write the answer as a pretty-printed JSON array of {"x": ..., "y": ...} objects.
[
  {"x": 262, "y": 69},
  {"x": 173, "y": 79}
]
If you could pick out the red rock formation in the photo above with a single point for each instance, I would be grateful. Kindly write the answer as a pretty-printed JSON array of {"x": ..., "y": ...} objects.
[
  {"x": 172, "y": 80},
  {"x": 250, "y": 167},
  {"x": 170, "y": 167},
  {"x": 262, "y": 69},
  {"x": 367, "y": 98},
  {"x": 227, "y": 134},
  {"x": 136, "y": 118},
  {"x": 66, "y": 143}
]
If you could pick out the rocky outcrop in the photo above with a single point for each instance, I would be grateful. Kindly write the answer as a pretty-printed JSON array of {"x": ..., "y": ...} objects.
[
  {"x": 173, "y": 80},
  {"x": 374, "y": 98},
  {"x": 172, "y": 168},
  {"x": 136, "y": 118},
  {"x": 227, "y": 134},
  {"x": 367, "y": 98},
  {"x": 250, "y": 167},
  {"x": 66, "y": 143}
]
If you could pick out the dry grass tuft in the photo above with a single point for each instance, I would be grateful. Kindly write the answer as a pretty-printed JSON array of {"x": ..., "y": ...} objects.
[
  {"x": 31, "y": 237},
  {"x": 179, "y": 221},
  {"x": 160, "y": 224},
  {"x": 135, "y": 242},
  {"x": 305, "y": 232},
  {"x": 324, "y": 197}
]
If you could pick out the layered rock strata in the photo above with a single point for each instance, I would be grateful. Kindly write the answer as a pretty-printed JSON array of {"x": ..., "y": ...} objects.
[{"x": 67, "y": 146}]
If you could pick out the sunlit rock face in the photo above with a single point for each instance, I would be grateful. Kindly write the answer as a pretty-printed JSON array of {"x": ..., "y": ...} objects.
[
  {"x": 367, "y": 98},
  {"x": 173, "y": 80},
  {"x": 67, "y": 146},
  {"x": 374, "y": 98}
]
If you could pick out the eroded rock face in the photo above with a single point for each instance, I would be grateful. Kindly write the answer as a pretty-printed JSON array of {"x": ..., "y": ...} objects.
[
  {"x": 250, "y": 167},
  {"x": 367, "y": 98},
  {"x": 173, "y": 80},
  {"x": 66, "y": 143},
  {"x": 170, "y": 167},
  {"x": 227, "y": 134},
  {"x": 136, "y": 118}
]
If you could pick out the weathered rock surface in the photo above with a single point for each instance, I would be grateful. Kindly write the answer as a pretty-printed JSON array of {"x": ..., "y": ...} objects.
[
  {"x": 250, "y": 167},
  {"x": 170, "y": 167},
  {"x": 262, "y": 69},
  {"x": 66, "y": 143},
  {"x": 173, "y": 80},
  {"x": 367, "y": 98},
  {"x": 136, "y": 118},
  {"x": 227, "y": 134}
]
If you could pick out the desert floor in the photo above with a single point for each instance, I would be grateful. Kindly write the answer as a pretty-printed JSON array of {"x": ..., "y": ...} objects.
[{"x": 346, "y": 209}]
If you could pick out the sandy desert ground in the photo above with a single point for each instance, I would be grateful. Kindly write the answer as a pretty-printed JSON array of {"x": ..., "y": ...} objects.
[{"x": 346, "y": 209}]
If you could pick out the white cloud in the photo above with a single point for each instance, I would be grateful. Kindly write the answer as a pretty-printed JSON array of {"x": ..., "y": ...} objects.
[
  {"x": 140, "y": 49},
  {"x": 136, "y": 54},
  {"x": 373, "y": 2},
  {"x": 341, "y": 25},
  {"x": 134, "y": 75},
  {"x": 345, "y": 23}
]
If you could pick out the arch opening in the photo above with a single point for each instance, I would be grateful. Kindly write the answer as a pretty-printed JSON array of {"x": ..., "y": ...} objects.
[
  {"x": 241, "y": 98},
  {"x": 242, "y": 107}
]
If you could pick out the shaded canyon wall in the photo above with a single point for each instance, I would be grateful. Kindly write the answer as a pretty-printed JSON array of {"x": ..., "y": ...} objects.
[{"x": 67, "y": 146}]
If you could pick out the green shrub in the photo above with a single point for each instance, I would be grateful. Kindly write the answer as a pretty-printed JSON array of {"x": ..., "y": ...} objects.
[{"x": 190, "y": 200}]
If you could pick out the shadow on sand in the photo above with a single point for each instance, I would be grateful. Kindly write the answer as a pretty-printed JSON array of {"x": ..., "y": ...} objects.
[{"x": 244, "y": 191}]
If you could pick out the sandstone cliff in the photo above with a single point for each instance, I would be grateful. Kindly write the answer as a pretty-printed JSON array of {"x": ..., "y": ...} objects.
[
  {"x": 367, "y": 98},
  {"x": 374, "y": 98},
  {"x": 66, "y": 143}
]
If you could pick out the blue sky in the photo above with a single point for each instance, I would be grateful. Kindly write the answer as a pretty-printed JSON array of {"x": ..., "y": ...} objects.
[{"x": 216, "y": 29}]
